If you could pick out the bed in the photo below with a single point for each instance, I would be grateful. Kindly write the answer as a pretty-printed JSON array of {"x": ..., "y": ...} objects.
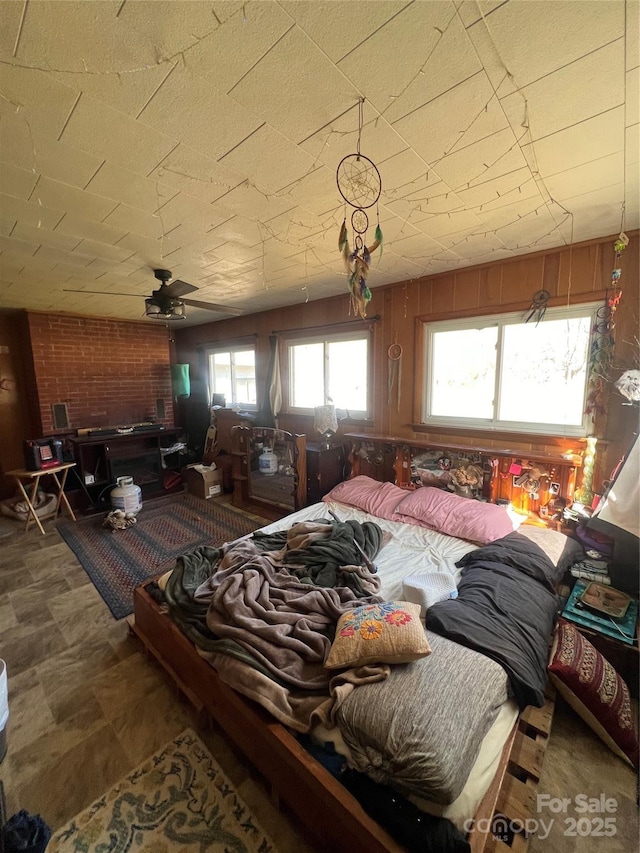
[{"x": 446, "y": 738}]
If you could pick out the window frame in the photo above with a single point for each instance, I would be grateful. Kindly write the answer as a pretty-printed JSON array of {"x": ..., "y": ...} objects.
[
  {"x": 232, "y": 348},
  {"x": 429, "y": 327},
  {"x": 327, "y": 337}
]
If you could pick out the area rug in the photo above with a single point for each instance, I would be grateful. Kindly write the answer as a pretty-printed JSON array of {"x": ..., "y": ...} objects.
[
  {"x": 179, "y": 799},
  {"x": 118, "y": 561}
]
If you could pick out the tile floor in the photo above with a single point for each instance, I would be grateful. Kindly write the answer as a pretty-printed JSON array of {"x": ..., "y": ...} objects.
[{"x": 86, "y": 706}]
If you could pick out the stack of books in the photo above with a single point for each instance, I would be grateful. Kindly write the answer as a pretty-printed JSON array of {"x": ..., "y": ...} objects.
[
  {"x": 619, "y": 628},
  {"x": 592, "y": 570}
]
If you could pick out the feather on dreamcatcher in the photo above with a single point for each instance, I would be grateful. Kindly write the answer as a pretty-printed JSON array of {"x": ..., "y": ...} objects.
[{"x": 360, "y": 185}]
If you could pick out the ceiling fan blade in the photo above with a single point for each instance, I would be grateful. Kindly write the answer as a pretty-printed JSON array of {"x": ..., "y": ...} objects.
[
  {"x": 213, "y": 306},
  {"x": 180, "y": 288},
  {"x": 105, "y": 293}
]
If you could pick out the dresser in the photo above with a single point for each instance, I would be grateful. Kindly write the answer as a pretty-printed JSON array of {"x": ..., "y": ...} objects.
[{"x": 325, "y": 469}]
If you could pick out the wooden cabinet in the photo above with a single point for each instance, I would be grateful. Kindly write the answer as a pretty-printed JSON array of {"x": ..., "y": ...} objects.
[
  {"x": 103, "y": 458},
  {"x": 325, "y": 469}
]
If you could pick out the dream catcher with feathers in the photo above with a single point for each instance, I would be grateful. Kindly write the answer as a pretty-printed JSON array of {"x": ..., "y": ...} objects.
[{"x": 360, "y": 185}]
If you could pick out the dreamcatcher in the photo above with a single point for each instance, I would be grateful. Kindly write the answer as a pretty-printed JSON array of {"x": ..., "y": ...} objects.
[
  {"x": 538, "y": 306},
  {"x": 360, "y": 185}
]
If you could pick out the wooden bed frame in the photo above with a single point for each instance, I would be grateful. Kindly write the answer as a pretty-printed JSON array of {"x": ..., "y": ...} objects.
[{"x": 327, "y": 812}]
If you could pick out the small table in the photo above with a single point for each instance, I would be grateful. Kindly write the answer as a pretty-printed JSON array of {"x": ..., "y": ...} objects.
[
  {"x": 23, "y": 476},
  {"x": 616, "y": 640}
]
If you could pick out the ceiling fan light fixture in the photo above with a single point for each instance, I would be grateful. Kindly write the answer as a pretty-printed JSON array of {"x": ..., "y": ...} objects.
[{"x": 175, "y": 310}]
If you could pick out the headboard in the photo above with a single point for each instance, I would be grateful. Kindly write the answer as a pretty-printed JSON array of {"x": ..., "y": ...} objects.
[{"x": 504, "y": 474}]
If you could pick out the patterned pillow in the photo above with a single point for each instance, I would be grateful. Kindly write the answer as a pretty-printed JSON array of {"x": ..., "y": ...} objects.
[
  {"x": 594, "y": 690},
  {"x": 390, "y": 632}
]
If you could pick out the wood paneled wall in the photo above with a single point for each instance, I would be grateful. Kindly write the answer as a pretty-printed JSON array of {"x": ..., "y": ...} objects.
[
  {"x": 571, "y": 275},
  {"x": 18, "y": 406}
]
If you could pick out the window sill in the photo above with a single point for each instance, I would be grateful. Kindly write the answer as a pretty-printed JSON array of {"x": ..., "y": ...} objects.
[{"x": 500, "y": 436}]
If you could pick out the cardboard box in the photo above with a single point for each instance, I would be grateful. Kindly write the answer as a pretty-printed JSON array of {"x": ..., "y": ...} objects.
[{"x": 203, "y": 481}]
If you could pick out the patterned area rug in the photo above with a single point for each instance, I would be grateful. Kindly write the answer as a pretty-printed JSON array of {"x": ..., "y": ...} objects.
[
  {"x": 117, "y": 562},
  {"x": 179, "y": 799}
]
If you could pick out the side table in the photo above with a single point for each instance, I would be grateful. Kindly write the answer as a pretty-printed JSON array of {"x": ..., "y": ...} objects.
[
  {"x": 622, "y": 654},
  {"x": 325, "y": 469},
  {"x": 22, "y": 477}
]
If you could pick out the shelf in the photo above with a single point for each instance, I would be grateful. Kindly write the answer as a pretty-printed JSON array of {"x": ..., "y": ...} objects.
[
  {"x": 387, "y": 457},
  {"x": 424, "y": 444}
]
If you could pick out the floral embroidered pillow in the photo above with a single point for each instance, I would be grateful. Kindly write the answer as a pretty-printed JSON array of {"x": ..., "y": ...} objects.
[{"x": 390, "y": 632}]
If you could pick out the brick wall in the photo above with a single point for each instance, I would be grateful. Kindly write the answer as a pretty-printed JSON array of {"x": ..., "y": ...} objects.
[{"x": 108, "y": 372}]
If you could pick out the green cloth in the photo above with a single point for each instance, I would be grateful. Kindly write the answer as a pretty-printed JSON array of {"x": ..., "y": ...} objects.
[{"x": 320, "y": 562}]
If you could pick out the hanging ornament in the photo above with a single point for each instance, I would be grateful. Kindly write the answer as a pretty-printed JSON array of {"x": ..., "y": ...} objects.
[
  {"x": 360, "y": 185},
  {"x": 394, "y": 356},
  {"x": 538, "y": 306},
  {"x": 602, "y": 337},
  {"x": 629, "y": 386}
]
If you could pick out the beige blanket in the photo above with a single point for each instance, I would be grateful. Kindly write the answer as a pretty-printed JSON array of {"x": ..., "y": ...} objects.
[
  {"x": 297, "y": 709},
  {"x": 286, "y": 624}
]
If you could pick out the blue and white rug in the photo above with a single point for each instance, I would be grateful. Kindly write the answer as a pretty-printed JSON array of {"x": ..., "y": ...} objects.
[{"x": 177, "y": 800}]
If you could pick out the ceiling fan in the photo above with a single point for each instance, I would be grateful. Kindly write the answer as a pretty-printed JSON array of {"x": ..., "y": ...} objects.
[{"x": 166, "y": 303}]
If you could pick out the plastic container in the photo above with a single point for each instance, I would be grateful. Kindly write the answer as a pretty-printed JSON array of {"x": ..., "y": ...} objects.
[
  {"x": 126, "y": 496},
  {"x": 268, "y": 462}
]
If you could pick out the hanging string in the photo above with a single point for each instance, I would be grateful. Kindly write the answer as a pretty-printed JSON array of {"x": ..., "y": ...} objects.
[
  {"x": 534, "y": 170},
  {"x": 570, "y": 262},
  {"x": 394, "y": 356},
  {"x": 360, "y": 122}
]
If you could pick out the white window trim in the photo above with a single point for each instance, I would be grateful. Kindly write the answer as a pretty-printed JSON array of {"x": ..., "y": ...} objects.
[
  {"x": 500, "y": 320},
  {"x": 232, "y": 348},
  {"x": 353, "y": 414}
]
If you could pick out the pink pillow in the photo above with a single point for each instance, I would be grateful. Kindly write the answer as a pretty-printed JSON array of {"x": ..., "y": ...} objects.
[
  {"x": 454, "y": 515},
  {"x": 385, "y": 500},
  {"x": 372, "y": 496}
]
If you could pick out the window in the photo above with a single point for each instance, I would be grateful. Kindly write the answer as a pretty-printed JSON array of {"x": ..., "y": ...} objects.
[
  {"x": 330, "y": 369},
  {"x": 232, "y": 372},
  {"x": 500, "y": 372}
]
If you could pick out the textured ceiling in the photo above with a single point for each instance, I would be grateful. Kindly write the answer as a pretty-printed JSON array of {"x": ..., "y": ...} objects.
[{"x": 204, "y": 137}]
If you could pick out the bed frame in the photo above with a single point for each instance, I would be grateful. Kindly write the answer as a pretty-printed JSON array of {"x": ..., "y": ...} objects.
[{"x": 327, "y": 812}]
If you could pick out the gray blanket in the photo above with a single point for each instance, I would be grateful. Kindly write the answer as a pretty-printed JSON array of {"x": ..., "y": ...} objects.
[{"x": 424, "y": 725}]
